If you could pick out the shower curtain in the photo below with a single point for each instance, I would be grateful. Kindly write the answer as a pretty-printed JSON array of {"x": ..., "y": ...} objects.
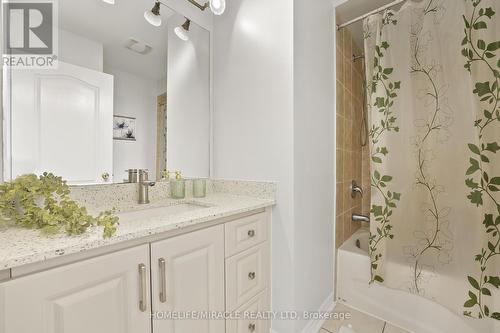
[{"x": 434, "y": 107}]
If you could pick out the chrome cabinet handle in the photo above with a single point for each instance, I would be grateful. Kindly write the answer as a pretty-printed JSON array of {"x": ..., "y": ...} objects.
[
  {"x": 251, "y": 275},
  {"x": 143, "y": 288},
  {"x": 163, "y": 280},
  {"x": 251, "y": 327},
  {"x": 251, "y": 233}
]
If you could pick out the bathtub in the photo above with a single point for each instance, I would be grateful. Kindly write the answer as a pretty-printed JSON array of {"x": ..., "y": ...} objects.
[{"x": 411, "y": 312}]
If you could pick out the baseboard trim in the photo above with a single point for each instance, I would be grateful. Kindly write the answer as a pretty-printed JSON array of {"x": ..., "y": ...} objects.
[{"x": 314, "y": 326}]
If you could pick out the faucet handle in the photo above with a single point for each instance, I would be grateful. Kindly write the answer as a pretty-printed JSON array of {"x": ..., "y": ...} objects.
[{"x": 355, "y": 189}]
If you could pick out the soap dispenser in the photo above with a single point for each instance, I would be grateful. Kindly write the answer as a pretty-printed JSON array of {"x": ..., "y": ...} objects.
[
  {"x": 178, "y": 186},
  {"x": 165, "y": 175}
]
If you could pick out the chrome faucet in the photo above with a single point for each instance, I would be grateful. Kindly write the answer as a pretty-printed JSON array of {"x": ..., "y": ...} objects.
[
  {"x": 355, "y": 189},
  {"x": 144, "y": 185},
  {"x": 360, "y": 218}
]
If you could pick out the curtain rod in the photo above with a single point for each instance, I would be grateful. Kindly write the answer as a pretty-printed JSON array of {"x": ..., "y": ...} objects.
[{"x": 381, "y": 9}]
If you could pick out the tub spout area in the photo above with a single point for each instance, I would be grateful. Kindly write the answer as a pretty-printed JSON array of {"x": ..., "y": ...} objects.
[{"x": 360, "y": 218}]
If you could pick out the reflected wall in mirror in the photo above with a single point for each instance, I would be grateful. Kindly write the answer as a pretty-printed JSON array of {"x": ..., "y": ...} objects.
[{"x": 126, "y": 95}]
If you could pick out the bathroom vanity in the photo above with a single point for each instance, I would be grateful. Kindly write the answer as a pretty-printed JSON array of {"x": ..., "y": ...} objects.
[
  {"x": 167, "y": 268},
  {"x": 137, "y": 97}
]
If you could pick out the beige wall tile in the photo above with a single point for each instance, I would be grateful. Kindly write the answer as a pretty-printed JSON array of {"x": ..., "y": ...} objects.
[
  {"x": 347, "y": 225},
  {"x": 340, "y": 65},
  {"x": 348, "y": 166},
  {"x": 340, "y": 200},
  {"x": 352, "y": 160},
  {"x": 347, "y": 42},
  {"x": 340, "y": 39},
  {"x": 347, "y": 196},
  {"x": 340, "y": 165},
  {"x": 339, "y": 230},
  {"x": 340, "y": 132},
  {"x": 340, "y": 98},
  {"x": 348, "y": 105},
  {"x": 347, "y": 72}
]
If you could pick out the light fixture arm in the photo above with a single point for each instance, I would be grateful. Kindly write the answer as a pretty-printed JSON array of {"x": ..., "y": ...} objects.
[{"x": 193, "y": 2}]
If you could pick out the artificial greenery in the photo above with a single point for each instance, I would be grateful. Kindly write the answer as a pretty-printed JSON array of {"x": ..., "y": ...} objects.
[{"x": 43, "y": 202}]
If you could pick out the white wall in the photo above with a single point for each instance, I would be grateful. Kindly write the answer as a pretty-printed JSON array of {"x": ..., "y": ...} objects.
[
  {"x": 253, "y": 119},
  {"x": 78, "y": 50},
  {"x": 188, "y": 101},
  {"x": 274, "y": 120},
  {"x": 314, "y": 149},
  {"x": 135, "y": 97}
]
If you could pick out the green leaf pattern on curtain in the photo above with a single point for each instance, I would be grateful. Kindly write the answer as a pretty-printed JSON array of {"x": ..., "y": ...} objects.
[
  {"x": 433, "y": 238},
  {"x": 484, "y": 186},
  {"x": 382, "y": 104},
  {"x": 435, "y": 152}
]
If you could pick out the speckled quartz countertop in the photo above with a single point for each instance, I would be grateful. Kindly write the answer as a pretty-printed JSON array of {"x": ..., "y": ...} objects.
[{"x": 19, "y": 246}]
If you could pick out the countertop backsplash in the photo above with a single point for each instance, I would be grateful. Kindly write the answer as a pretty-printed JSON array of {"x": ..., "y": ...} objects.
[{"x": 122, "y": 196}]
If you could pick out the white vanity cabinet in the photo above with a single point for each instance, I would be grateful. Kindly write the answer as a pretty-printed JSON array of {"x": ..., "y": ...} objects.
[
  {"x": 188, "y": 275},
  {"x": 248, "y": 273},
  {"x": 96, "y": 295},
  {"x": 152, "y": 287}
]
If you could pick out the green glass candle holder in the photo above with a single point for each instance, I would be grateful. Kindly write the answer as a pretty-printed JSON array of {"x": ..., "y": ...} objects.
[
  {"x": 178, "y": 188},
  {"x": 199, "y": 188}
]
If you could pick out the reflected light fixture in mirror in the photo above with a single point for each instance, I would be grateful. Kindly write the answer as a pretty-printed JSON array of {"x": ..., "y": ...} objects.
[
  {"x": 111, "y": 2},
  {"x": 218, "y": 6},
  {"x": 183, "y": 31},
  {"x": 153, "y": 15}
]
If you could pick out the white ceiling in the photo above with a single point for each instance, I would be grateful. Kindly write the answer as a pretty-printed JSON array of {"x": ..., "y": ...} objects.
[
  {"x": 355, "y": 8},
  {"x": 113, "y": 25}
]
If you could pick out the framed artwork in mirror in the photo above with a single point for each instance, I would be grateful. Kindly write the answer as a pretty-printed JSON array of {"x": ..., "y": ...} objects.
[{"x": 124, "y": 128}]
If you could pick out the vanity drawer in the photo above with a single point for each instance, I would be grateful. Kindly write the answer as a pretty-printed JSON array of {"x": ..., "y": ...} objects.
[
  {"x": 247, "y": 274},
  {"x": 245, "y": 233},
  {"x": 250, "y": 312}
]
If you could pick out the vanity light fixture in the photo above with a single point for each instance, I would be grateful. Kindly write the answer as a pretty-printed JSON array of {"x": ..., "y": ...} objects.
[
  {"x": 182, "y": 31},
  {"x": 218, "y": 6},
  {"x": 111, "y": 2},
  {"x": 153, "y": 16}
]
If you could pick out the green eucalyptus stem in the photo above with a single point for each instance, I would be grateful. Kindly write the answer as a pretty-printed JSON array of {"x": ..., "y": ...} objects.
[{"x": 44, "y": 203}]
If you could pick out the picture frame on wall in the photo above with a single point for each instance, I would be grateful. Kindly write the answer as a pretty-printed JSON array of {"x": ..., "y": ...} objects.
[{"x": 124, "y": 128}]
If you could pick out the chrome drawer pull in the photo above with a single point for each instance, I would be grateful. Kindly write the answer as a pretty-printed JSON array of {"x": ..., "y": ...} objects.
[
  {"x": 143, "y": 288},
  {"x": 251, "y": 233},
  {"x": 251, "y": 327},
  {"x": 251, "y": 275},
  {"x": 163, "y": 280}
]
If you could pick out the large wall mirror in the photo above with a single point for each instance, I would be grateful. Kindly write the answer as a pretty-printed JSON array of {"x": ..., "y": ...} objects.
[{"x": 125, "y": 95}]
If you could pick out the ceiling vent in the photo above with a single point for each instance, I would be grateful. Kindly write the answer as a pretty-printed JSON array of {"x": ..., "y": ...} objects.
[{"x": 138, "y": 46}]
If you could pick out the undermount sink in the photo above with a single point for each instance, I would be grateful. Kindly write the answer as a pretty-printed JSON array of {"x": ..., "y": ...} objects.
[{"x": 158, "y": 212}]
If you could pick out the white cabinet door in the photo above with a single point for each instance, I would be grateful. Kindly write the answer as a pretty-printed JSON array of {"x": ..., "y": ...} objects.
[
  {"x": 62, "y": 122},
  {"x": 188, "y": 275},
  {"x": 99, "y": 295}
]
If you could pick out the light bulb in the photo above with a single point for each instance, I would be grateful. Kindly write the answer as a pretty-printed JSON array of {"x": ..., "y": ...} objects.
[
  {"x": 181, "y": 33},
  {"x": 218, "y": 6},
  {"x": 153, "y": 15},
  {"x": 152, "y": 18}
]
